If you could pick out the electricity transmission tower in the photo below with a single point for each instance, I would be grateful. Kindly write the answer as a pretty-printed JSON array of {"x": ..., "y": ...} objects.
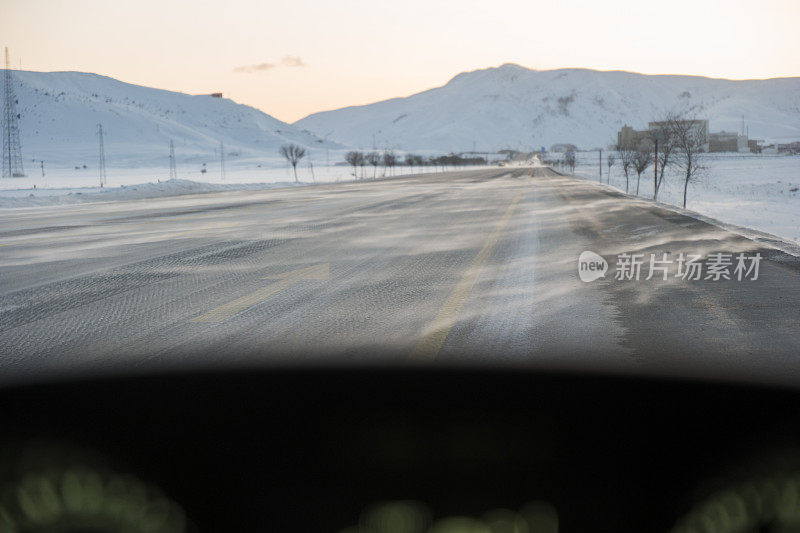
[
  {"x": 12, "y": 154},
  {"x": 102, "y": 156},
  {"x": 222, "y": 158},
  {"x": 173, "y": 170}
]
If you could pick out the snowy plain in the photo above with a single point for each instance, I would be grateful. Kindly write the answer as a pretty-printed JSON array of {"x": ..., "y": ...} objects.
[
  {"x": 761, "y": 192},
  {"x": 71, "y": 186}
]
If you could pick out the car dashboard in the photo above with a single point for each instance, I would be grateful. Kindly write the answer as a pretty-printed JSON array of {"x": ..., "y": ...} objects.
[{"x": 385, "y": 449}]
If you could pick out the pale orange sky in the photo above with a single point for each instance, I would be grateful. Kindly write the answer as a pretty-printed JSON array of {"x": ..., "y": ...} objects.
[{"x": 318, "y": 55}]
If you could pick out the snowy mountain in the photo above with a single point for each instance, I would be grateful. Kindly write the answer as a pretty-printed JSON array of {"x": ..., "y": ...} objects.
[
  {"x": 514, "y": 107},
  {"x": 60, "y": 111}
]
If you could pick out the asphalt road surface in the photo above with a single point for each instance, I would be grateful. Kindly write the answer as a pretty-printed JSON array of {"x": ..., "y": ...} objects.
[{"x": 475, "y": 267}]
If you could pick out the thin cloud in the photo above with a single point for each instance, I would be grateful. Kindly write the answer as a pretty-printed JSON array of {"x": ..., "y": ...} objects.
[
  {"x": 292, "y": 61},
  {"x": 249, "y": 69}
]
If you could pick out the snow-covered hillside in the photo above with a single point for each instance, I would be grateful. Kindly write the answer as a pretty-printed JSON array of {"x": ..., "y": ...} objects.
[
  {"x": 514, "y": 107},
  {"x": 60, "y": 112}
]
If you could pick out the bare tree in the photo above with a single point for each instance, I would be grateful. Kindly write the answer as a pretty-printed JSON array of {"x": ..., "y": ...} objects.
[
  {"x": 293, "y": 154},
  {"x": 374, "y": 159},
  {"x": 610, "y": 160},
  {"x": 389, "y": 161},
  {"x": 569, "y": 160},
  {"x": 411, "y": 160},
  {"x": 626, "y": 156},
  {"x": 661, "y": 133},
  {"x": 688, "y": 143},
  {"x": 354, "y": 159},
  {"x": 642, "y": 158},
  {"x": 362, "y": 162}
]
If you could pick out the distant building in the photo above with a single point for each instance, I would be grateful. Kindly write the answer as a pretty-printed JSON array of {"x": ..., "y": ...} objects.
[
  {"x": 727, "y": 141},
  {"x": 700, "y": 127},
  {"x": 630, "y": 139},
  {"x": 769, "y": 149},
  {"x": 216, "y": 95},
  {"x": 789, "y": 148},
  {"x": 563, "y": 148}
]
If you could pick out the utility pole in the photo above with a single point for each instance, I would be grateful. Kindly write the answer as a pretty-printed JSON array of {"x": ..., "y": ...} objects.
[
  {"x": 655, "y": 170},
  {"x": 12, "y": 154},
  {"x": 102, "y": 156},
  {"x": 173, "y": 170},
  {"x": 600, "y": 161},
  {"x": 42, "y": 162},
  {"x": 222, "y": 159}
]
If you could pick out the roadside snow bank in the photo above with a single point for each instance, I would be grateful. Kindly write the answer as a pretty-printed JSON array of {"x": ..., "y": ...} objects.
[
  {"x": 62, "y": 187},
  {"x": 44, "y": 197},
  {"x": 761, "y": 192}
]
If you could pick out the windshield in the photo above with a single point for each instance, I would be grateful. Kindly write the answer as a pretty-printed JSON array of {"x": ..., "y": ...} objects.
[{"x": 256, "y": 184}]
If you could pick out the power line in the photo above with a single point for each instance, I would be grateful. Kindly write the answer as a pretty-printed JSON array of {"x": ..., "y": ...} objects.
[{"x": 12, "y": 153}]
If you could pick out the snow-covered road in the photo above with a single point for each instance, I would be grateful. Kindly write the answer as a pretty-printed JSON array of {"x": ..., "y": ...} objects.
[{"x": 452, "y": 268}]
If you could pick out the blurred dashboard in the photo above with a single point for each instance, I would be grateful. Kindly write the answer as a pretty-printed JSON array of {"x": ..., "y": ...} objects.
[{"x": 398, "y": 450}]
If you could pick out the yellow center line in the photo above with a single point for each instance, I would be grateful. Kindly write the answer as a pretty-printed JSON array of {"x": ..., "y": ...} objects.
[
  {"x": 231, "y": 308},
  {"x": 286, "y": 280},
  {"x": 429, "y": 346}
]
